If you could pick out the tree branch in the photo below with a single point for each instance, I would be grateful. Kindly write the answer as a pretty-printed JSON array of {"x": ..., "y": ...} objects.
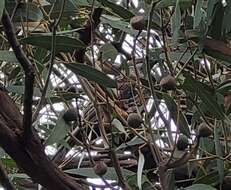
[
  {"x": 28, "y": 70},
  {"x": 31, "y": 158}
]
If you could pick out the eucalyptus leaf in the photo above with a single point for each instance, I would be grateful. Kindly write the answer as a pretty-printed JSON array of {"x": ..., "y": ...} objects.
[
  {"x": 119, "y": 126},
  {"x": 135, "y": 141},
  {"x": 224, "y": 87},
  {"x": 59, "y": 132},
  {"x": 207, "y": 95},
  {"x": 29, "y": 11},
  {"x": 117, "y": 9},
  {"x": 177, "y": 116},
  {"x": 62, "y": 44},
  {"x": 176, "y": 22},
  {"x": 20, "y": 90},
  {"x": 167, "y": 3},
  {"x": 220, "y": 163},
  {"x": 200, "y": 187},
  {"x": 140, "y": 169},
  {"x": 91, "y": 74},
  {"x": 198, "y": 13},
  {"x": 8, "y": 56},
  {"x": 109, "y": 52},
  {"x": 2, "y": 6},
  {"x": 89, "y": 172}
]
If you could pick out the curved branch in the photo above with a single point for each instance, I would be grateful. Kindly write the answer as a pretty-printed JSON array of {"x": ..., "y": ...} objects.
[{"x": 28, "y": 70}]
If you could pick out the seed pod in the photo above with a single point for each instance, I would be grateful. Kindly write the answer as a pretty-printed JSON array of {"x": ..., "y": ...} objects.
[
  {"x": 168, "y": 83},
  {"x": 138, "y": 22},
  {"x": 182, "y": 142},
  {"x": 134, "y": 120},
  {"x": 204, "y": 130},
  {"x": 70, "y": 115},
  {"x": 100, "y": 168}
]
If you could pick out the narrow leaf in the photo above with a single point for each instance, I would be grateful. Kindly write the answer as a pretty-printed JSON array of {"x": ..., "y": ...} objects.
[
  {"x": 167, "y": 3},
  {"x": 224, "y": 87},
  {"x": 200, "y": 187},
  {"x": 59, "y": 132},
  {"x": 198, "y": 13},
  {"x": 8, "y": 56},
  {"x": 62, "y": 44},
  {"x": 20, "y": 90},
  {"x": 220, "y": 163},
  {"x": 117, "y": 9},
  {"x": 109, "y": 52},
  {"x": 92, "y": 74},
  {"x": 89, "y": 172},
  {"x": 119, "y": 126},
  {"x": 140, "y": 169},
  {"x": 206, "y": 94},
  {"x": 2, "y": 6},
  {"x": 29, "y": 11},
  {"x": 178, "y": 118},
  {"x": 176, "y": 22},
  {"x": 135, "y": 141}
]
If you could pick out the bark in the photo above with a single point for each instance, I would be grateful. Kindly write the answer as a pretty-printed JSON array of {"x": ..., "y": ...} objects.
[{"x": 30, "y": 156}]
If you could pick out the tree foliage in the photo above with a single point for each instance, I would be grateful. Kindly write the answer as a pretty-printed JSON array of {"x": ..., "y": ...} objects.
[{"x": 134, "y": 93}]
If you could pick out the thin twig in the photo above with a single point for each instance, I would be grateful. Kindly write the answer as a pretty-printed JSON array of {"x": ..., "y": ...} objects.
[
  {"x": 150, "y": 82},
  {"x": 168, "y": 61},
  {"x": 116, "y": 164},
  {"x": 186, "y": 63},
  {"x": 53, "y": 49}
]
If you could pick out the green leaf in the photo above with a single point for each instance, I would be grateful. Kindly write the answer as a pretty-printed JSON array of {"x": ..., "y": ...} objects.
[
  {"x": 211, "y": 178},
  {"x": 135, "y": 141},
  {"x": 59, "y": 132},
  {"x": 218, "y": 55},
  {"x": 89, "y": 172},
  {"x": 62, "y": 44},
  {"x": 91, "y": 74},
  {"x": 19, "y": 175},
  {"x": 109, "y": 52},
  {"x": 2, "y": 6},
  {"x": 207, "y": 145},
  {"x": 8, "y": 56},
  {"x": 200, "y": 187},
  {"x": 167, "y": 3},
  {"x": 62, "y": 97},
  {"x": 171, "y": 179},
  {"x": 176, "y": 56},
  {"x": 226, "y": 26},
  {"x": 78, "y": 3},
  {"x": 180, "y": 119},
  {"x": 140, "y": 169},
  {"x": 198, "y": 13},
  {"x": 206, "y": 94},
  {"x": 215, "y": 28},
  {"x": 29, "y": 11},
  {"x": 176, "y": 22},
  {"x": 224, "y": 87},
  {"x": 117, "y": 9},
  {"x": 210, "y": 9},
  {"x": 118, "y": 23},
  {"x": 70, "y": 9},
  {"x": 20, "y": 90},
  {"x": 119, "y": 126},
  {"x": 10, "y": 163},
  {"x": 220, "y": 163}
]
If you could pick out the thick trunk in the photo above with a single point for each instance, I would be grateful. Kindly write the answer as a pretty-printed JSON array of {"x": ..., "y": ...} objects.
[{"x": 30, "y": 156}]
